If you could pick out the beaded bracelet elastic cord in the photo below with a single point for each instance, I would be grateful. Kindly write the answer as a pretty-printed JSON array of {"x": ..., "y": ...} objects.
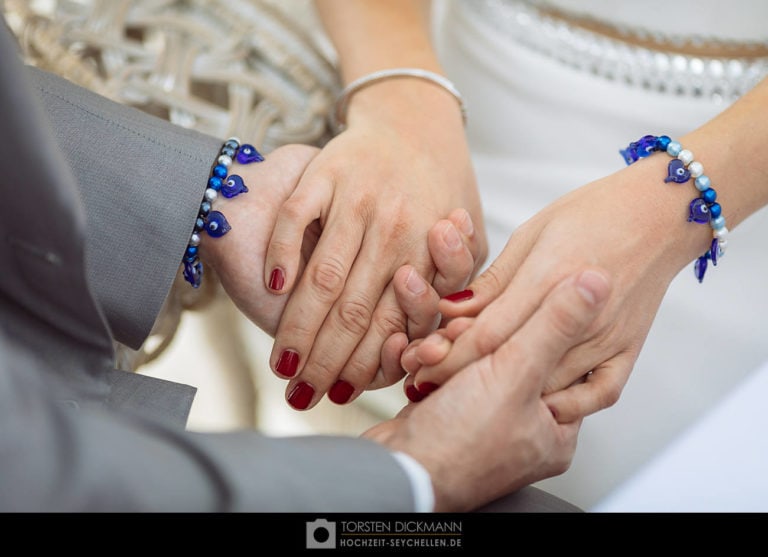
[
  {"x": 702, "y": 209},
  {"x": 214, "y": 223}
]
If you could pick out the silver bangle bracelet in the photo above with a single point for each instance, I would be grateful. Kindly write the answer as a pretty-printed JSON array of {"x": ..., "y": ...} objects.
[{"x": 340, "y": 107}]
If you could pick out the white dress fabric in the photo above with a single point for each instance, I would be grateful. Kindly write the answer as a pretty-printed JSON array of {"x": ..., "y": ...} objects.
[{"x": 540, "y": 125}]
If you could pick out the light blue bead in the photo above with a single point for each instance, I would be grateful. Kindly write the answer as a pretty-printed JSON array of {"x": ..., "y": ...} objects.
[
  {"x": 674, "y": 148},
  {"x": 702, "y": 182},
  {"x": 717, "y": 223}
]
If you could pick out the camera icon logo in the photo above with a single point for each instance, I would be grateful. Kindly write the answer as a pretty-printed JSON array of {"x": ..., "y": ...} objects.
[{"x": 321, "y": 534}]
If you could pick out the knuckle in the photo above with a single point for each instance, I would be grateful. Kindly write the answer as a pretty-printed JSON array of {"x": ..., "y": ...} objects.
[
  {"x": 492, "y": 279},
  {"x": 355, "y": 315},
  {"x": 609, "y": 394},
  {"x": 389, "y": 320},
  {"x": 487, "y": 341},
  {"x": 327, "y": 278},
  {"x": 292, "y": 209},
  {"x": 323, "y": 370},
  {"x": 566, "y": 321},
  {"x": 362, "y": 372}
]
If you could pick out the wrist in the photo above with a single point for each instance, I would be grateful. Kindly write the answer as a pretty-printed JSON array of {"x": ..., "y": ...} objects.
[{"x": 403, "y": 97}]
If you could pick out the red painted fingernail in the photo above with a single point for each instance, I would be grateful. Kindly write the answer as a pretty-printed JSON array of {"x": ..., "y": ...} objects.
[
  {"x": 413, "y": 394},
  {"x": 276, "y": 279},
  {"x": 301, "y": 395},
  {"x": 426, "y": 388},
  {"x": 288, "y": 363},
  {"x": 459, "y": 296},
  {"x": 340, "y": 392}
]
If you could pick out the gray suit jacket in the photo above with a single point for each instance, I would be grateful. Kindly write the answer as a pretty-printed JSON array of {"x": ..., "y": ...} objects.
[{"x": 99, "y": 203}]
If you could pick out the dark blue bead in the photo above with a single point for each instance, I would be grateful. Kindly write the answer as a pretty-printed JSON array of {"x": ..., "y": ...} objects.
[
  {"x": 219, "y": 171},
  {"x": 214, "y": 182},
  {"x": 662, "y": 141},
  {"x": 248, "y": 154},
  {"x": 715, "y": 210},
  {"x": 193, "y": 273},
  {"x": 217, "y": 224},
  {"x": 698, "y": 211},
  {"x": 192, "y": 250},
  {"x": 709, "y": 195},
  {"x": 233, "y": 186},
  {"x": 676, "y": 172},
  {"x": 700, "y": 267}
]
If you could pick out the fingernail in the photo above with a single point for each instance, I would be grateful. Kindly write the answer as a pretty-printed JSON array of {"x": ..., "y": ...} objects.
[
  {"x": 426, "y": 388},
  {"x": 459, "y": 296},
  {"x": 553, "y": 411},
  {"x": 340, "y": 392},
  {"x": 592, "y": 285},
  {"x": 451, "y": 237},
  {"x": 288, "y": 363},
  {"x": 301, "y": 396},
  {"x": 466, "y": 226},
  {"x": 414, "y": 283},
  {"x": 276, "y": 279},
  {"x": 413, "y": 394}
]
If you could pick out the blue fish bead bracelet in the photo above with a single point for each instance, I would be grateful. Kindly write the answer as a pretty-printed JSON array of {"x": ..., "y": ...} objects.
[
  {"x": 213, "y": 222},
  {"x": 703, "y": 209}
]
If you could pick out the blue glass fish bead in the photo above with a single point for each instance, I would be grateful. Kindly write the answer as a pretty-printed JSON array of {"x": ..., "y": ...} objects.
[
  {"x": 699, "y": 211},
  {"x": 646, "y": 145},
  {"x": 217, "y": 224},
  {"x": 700, "y": 267},
  {"x": 233, "y": 186},
  {"x": 714, "y": 251},
  {"x": 629, "y": 154},
  {"x": 193, "y": 273},
  {"x": 676, "y": 172},
  {"x": 248, "y": 154}
]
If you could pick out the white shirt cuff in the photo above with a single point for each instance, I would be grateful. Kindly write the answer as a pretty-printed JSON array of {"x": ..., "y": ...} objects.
[{"x": 421, "y": 483}]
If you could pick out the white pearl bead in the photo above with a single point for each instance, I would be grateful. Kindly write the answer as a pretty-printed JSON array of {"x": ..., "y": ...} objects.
[
  {"x": 211, "y": 194},
  {"x": 225, "y": 160},
  {"x": 722, "y": 233},
  {"x": 722, "y": 244},
  {"x": 696, "y": 169},
  {"x": 195, "y": 239},
  {"x": 235, "y": 138},
  {"x": 686, "y": 156}
]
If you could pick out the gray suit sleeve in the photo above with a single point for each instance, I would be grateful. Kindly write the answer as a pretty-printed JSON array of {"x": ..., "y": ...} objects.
[
  {"x": 141, "y": 181},
  {"x": 58, "y": 457}
]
